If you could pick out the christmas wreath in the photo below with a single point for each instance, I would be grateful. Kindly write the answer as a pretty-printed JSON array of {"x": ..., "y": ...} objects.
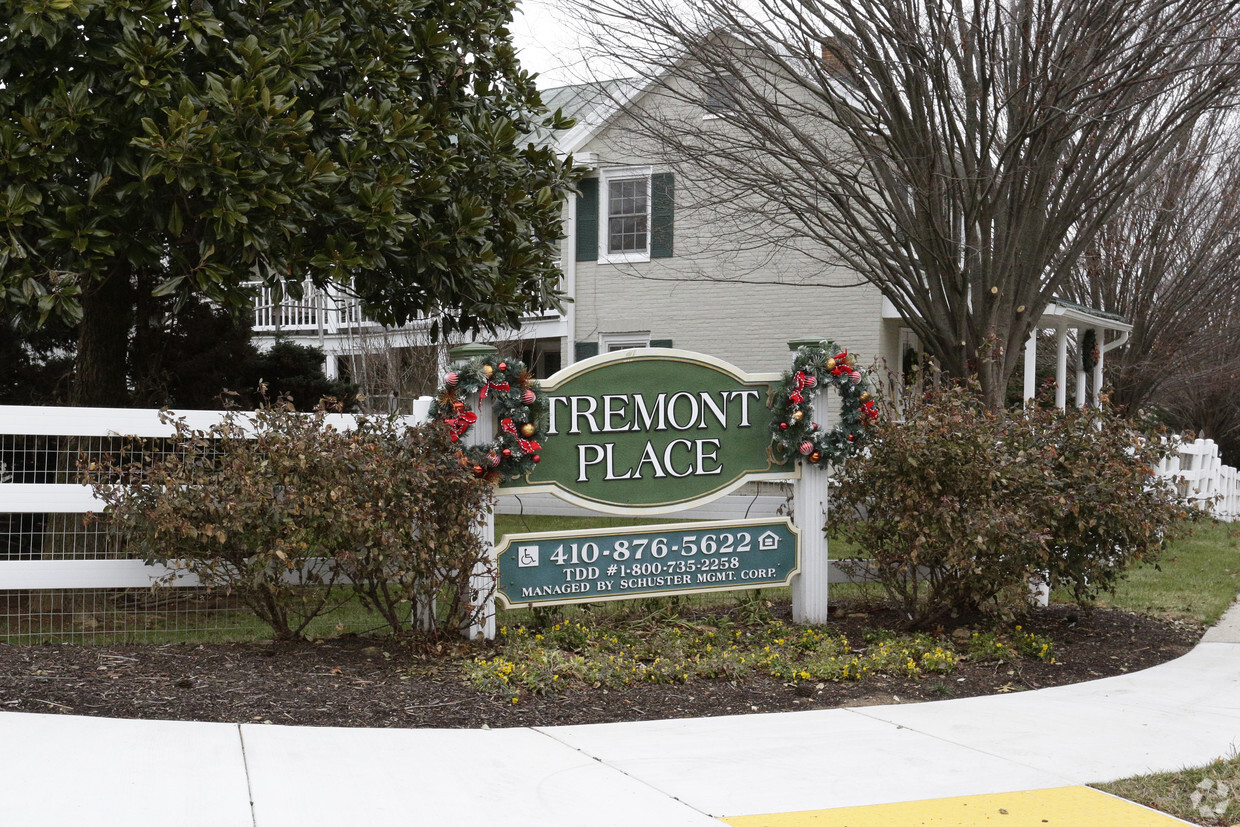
[
  {"x": 520, "y": 409},
  {"x": 793, "y": 429}
]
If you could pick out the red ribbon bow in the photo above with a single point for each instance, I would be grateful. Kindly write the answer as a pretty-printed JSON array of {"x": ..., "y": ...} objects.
[
  {"x": 499, "y": 386},
  {"x": 458, "y": 425},
  {"x": 529, "y": 446}
]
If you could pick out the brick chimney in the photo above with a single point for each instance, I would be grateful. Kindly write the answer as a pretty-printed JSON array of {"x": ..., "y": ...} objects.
[{"x": 836, "y": 56}]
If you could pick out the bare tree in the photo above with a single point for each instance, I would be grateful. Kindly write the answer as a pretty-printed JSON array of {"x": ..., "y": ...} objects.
[
  {"x": 394, "y": 366},
  {"x": 1169, "y": 260},
  {"x": 1202, "y": 391},
  {"x": 960, "y": 156}
]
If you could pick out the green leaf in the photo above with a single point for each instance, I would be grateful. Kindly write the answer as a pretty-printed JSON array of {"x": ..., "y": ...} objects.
[{"x": 168, "y": 286}]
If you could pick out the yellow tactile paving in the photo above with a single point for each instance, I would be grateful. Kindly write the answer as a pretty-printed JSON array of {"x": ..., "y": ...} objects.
[{"x": 1057, "y": 807}]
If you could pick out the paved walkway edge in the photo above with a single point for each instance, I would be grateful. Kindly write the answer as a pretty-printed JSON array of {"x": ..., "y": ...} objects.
[{"x": 69, "y": 770}]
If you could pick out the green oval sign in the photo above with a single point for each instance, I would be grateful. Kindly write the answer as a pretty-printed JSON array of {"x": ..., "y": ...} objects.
[{"x": 653, "y": 430}]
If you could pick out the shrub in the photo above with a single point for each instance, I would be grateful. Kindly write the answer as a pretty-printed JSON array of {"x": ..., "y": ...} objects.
[
  {"x": 413, "y": 505},
  {"x": 262, "y": 505},
  {"x": 960, "y": 507}
]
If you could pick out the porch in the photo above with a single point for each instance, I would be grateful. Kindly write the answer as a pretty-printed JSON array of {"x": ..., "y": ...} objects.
[{"x": 1082, "y": 337}]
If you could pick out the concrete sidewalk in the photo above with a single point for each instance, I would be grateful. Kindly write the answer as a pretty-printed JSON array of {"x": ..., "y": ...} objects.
[{"x": 776, "y": 769}]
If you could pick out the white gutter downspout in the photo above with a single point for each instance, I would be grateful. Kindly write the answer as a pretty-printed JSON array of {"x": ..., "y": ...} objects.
[
  {"x": 1102, "y": 351},
  {"x": 568, "y": 266}
]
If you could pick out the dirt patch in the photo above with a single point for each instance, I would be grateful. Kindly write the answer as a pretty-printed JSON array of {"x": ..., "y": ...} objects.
[{"x": 366, "y": 682}]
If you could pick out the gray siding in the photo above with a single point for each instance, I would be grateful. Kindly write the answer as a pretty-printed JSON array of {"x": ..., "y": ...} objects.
[{"x": 725, "y": 292}]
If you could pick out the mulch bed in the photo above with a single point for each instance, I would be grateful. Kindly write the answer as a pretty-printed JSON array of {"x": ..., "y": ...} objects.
[{"x": 368, "y": 682}]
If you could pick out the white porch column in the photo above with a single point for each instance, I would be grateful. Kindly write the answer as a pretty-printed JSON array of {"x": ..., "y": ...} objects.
[
  {"x": 1080, "y": 367},
  {"x": 568, "y": 266},
  {"x": 1099, "y": 333},
  {"x": 1031, "y": 365},
  {"x": 1061, "y": 367}
]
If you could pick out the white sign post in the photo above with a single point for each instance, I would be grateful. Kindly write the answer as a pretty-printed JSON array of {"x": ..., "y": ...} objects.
[
  {"x": 809, "y": 512},
  {"x": 482, "y": 582}
]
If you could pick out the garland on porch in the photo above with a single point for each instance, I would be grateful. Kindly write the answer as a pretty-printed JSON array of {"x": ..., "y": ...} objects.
[
  {"x": 520, "y": 410},
  {"x": 793, "y": 429}
]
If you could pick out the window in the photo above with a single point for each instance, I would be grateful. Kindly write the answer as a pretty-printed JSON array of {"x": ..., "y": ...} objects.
[
  {"x": 625, "y": 215},
  {"x": 624, "y": 225},
  {"x": 610, "y": 342},
  {"x": 718, "y": 96}
]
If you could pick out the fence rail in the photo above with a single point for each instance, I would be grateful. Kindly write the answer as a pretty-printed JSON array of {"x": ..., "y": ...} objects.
[
  {"x": 1203, "y": 479},
  {"x": 60, "y": 572}
]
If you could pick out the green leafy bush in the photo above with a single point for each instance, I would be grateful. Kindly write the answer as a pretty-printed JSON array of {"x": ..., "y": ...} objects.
[
  {"x": 961, "y": 507},
  {"x": 279, "y": 508}
]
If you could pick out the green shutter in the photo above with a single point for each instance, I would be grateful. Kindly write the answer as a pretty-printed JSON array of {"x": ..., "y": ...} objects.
[
  {"x": 662, "y": 211},
  {"x": 584, "y": 350},
  {"x": 587, "y": 220}
]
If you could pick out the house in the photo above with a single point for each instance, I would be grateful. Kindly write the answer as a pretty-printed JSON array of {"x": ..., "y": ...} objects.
[{"x": 647, "y": 262}]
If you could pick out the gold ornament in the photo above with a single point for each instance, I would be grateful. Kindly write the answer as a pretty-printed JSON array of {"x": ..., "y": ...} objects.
[
  {"x": 865, "y": 397},
  {"x": 488, "y": 371},
  {"x": 528, "y": 430},
  {"x": 797, "y": 416},
  {"x": 815, "y": 457},
  {"x": 850, "y": 361},
  {"x": 831, "y": 364}
]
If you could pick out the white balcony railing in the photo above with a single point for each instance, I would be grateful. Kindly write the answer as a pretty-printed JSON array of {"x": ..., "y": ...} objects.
[{"x": 330, "y": 310}]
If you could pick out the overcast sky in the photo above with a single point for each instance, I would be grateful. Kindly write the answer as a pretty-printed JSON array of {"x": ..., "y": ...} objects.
[{"x": 546, "y": 44}]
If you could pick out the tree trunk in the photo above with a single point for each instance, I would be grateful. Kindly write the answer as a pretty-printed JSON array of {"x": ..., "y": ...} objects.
[{"x": 103, "y": 344}]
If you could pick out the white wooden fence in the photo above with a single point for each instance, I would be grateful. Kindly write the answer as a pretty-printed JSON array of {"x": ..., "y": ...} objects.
[
  {"x": 40, "y": 496},
  {"x": 1203, "y": 479},
  {"x": 47, "y": 544}
]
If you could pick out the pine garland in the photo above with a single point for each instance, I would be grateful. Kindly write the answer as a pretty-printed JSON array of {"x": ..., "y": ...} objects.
[
  {"x": 794, "y": 433},
  {"x": 520, "y": 408}
]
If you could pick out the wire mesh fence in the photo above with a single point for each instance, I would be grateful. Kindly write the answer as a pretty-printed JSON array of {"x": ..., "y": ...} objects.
[
  {"x": 57, "y": 536},
  {"x": 48, "y": 459},
  {"x": 146, "y": 615},
  {"x": 64, "y": 576}
]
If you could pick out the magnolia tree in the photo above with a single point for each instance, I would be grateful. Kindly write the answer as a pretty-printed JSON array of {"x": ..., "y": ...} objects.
[
  {"x": 959, "y": 156},
  {"x": 179, "y": 147}
]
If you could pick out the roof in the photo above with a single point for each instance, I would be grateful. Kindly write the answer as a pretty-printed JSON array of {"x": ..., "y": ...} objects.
[
  {"x": 1055, "y": 311},
  {"x": 1079, "y": 313},
  {"x": 1089, "y": 311},
  {"x": 592, "y": 105},
  {"x": 582, "y": 99}
]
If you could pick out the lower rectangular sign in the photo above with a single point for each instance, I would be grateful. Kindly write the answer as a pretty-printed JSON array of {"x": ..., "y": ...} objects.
[{"x": 644, "y": 561}]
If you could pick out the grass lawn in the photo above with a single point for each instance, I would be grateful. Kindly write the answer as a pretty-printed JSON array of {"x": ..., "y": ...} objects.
[
  {"x": 1196, "y": 579},
  {"x": 1204, "y": 795}
]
